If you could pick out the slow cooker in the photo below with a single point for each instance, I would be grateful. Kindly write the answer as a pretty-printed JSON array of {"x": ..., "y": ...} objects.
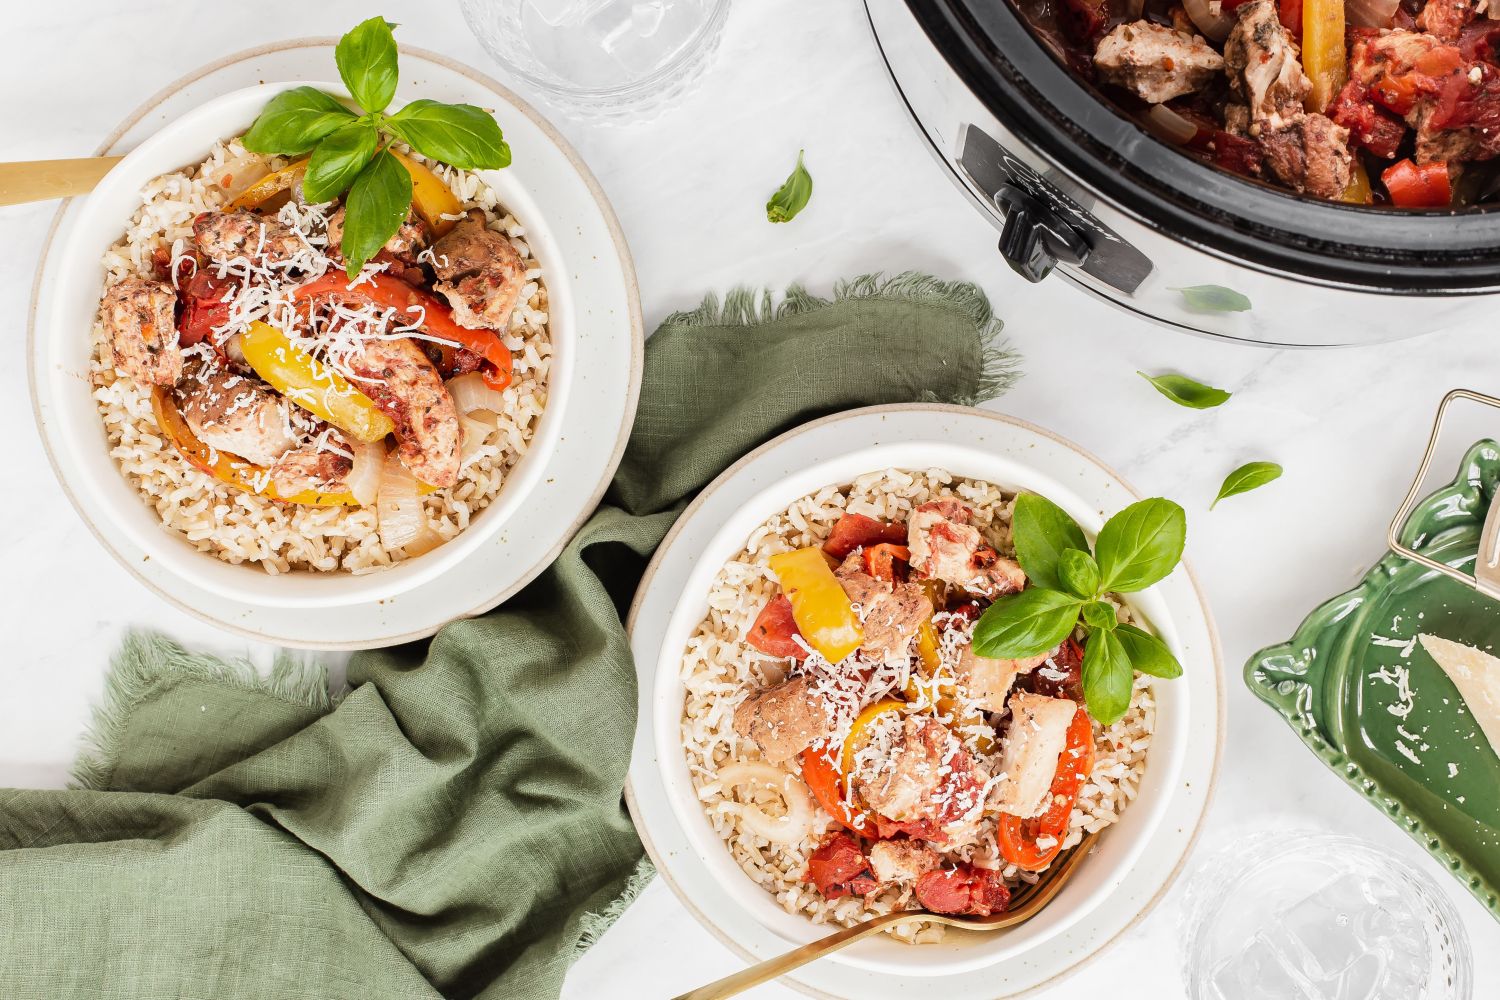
[{"x": 1078, "y": 189}]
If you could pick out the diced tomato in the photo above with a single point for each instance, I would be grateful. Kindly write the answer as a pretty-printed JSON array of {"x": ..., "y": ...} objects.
[
  {"x": 1463, "y": 104},
  {"x": 1439, "y": 61},
  {"x": 965, "y": 889},
  {"x": 1370, "y": 127},
  {"x": 839, "y": 868},
  {"x": 886, "y": 561},
  {"x": 917, "y": 829},
  {"x": 1478, "y": 40},
  {"x": 1413, "y": 186},
  {"x": 1086, "y": 20},
  {"x": 854, "y": 530},
  {"x": 203, "y": 307},
  {"x": 1062, "y": 678},
  {"x": 1399, "y": 93},
  {"x": 775, "y": 630},
  {"x": 1236, "y": 153},
  {"x": 1289, "y": 12}
]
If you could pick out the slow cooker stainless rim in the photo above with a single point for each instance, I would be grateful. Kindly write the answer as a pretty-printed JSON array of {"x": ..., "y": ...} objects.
[{"x": 992, "y": 50}]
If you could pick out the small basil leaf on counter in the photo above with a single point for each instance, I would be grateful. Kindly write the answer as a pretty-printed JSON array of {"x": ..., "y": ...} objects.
[
  {"x": 1026, "y": 624},
  {"x": 1186, "y": 392},
  {"x": 1107, "y": 677},
  {"x": 1078, "y": 573},
  {"x": 1214, "y": 299},
  {"x": 366, "y": 58},
  {"x": 1100, "y": 615},
  {"x": 376, "y": 207},
  {"x": 791, "y": 197},
  {"x": 1141, "y": 544},
  {"x": 1147, "y": 653},
  {"x": 1250, "y": 476},
  {"x": 460, "y": 134},
  {"x": 337, "y": 160},
  {"x": 294, "y": 120},
  {"x": 1041, "y": 532}
]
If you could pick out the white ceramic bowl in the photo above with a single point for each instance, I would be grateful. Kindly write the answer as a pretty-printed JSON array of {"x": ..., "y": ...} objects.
[
  {"x": 836, "y": 451},
  {"x": 76, "y": 435}
]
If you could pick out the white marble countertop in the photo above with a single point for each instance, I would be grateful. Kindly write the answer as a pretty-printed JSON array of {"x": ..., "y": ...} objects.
[{"x": 690, "y": 189}]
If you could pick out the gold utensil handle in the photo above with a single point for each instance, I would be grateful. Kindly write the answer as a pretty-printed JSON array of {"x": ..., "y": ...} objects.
[
  {"x": 782, "y": 964},
  {"x": 43, "y": 180},
  {"x": 1486, "y": 578}
]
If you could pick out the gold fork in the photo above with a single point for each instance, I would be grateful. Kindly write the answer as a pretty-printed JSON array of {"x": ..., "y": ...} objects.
[
  {"x": 41, "y": 180},
  {"x": 1026, "y": 903}
]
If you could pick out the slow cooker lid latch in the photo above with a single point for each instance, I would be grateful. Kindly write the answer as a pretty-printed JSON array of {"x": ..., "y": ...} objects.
[{"x": 1035, "y": 240}]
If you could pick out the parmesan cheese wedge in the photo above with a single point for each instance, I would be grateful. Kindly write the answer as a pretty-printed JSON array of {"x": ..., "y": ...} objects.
[{"x": 1476, "y": 674}]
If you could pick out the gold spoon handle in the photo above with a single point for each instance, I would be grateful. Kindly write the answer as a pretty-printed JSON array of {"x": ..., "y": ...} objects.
[
  {"x": 43, "y": 180},
  {"x": 782, "y": 964}
]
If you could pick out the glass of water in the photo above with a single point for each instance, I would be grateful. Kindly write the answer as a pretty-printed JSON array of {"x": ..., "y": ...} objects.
[
  {"x": 609, "y": 61},
  {"x": 1306, "y": 916}
]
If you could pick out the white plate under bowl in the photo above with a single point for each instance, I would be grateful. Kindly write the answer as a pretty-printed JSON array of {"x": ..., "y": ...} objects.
[
  {"x": 1135, "y": 859},
  {"x": 595, "y": 326}
]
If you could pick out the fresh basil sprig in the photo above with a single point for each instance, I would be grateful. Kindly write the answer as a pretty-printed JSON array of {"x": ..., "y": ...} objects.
[
  {"x": 1136, "y": 548},
  {"x": 792, "y": 196},
  {"x": 1250, "y": 476},
  {"x": 349, "y": 150}
]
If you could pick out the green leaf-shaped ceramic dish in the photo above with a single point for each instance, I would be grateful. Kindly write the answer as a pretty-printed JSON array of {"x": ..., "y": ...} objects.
[{"x": 1364, "y": 695}]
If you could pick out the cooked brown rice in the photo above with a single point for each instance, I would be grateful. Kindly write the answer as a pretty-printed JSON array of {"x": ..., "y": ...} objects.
[
  {"x": 719, "y": 667},
  {"x": 241, "y": 527}
]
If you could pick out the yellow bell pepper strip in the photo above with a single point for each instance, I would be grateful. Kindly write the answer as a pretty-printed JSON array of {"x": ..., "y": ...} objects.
[
  {"x": 822, "y": 610},
  {"x": 311, "y": 384},
  {"x": 859, "y": 731},
  {"x": 226, "y": 468},
  {"x": 1324, "y": 56},
  {"x": 1359, "y": 191},
  {"x": 271, "y": 185},
  {"x": 431, "y": 196}
]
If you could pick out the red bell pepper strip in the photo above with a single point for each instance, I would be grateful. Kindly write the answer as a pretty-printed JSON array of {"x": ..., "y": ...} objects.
[
  {"x": 881, "y": 560},
  {"x": 1020, "y": 838},
  {"x": 437, "y": 318},
  {"x": 1413, "y": 186}
]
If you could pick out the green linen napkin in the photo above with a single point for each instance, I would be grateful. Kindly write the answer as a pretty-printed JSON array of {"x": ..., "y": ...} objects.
[{"x": 453, "y": 825}]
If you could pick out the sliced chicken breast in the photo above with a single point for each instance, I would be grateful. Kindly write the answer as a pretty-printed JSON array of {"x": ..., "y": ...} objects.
[
  {"x": 479, "y": 273},
  {"x": 138, "y": 318},
  {"x": 402, "y": 382},
  {"x": 784, "y": 720},
  {"x": 235, "y": 414},
  {"x": 1028, "y": 761}
]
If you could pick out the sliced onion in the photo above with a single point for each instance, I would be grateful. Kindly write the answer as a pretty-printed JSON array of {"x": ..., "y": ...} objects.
[
  {"x": 1211, "y": 17},
  {"x": 235, "y": 176},
  {"x": 426, "y": 541},
  {"x": 1370, "y": 13},
  {"x": 788, "y": 829},
  {"x": 470, "y": 393},
  {"x": 475, "y": 432},
  {"x": 363, "y": 481},
  {"x": 1167, "y": 124},
  {"x": 399, "y": 505}
]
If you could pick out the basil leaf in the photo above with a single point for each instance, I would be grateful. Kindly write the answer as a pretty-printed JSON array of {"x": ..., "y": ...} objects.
[
  {"x": 1185, "y": 392},
  {"x": 1147, "y": 653},
  {"x": 1079, "y": 573},
  {"x": 1100, "y": 615},
  {"x": 460, "y": 134},
  {"x": 366, "y": 58},
  {"x": 1025, "y": 624},
  {"x": 1214, "y": 299},
  {"x": 294, "y": 120},
  {"x": 792, "y": 196},
  {"x": 1042, "y": 531},
  {"x": 1250, "y": 476},
  {"x": 1107, "y": 677},
  {"x": 376, "y": 207},
  {"x": 337, "y": 160},
  {"x": 1141, "y": 544}
]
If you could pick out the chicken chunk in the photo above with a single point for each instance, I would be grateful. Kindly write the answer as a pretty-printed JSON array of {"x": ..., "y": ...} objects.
[
  {"x": 1260, "y": 59},
  {"x": 137, "y": 315},
  {"x": 222, "y": 236},
  {"x": 479, "y": 273},
  {"x": 1445, "y": 20},
  {"x": 1154, "y": 62},
  {"x": 1310, "y": 155},
  {"x": 311, "y": 468},
  {"x": 784, "y": 720},
  {"x": 987, "y": 680},
  {"x": 891, "y": 615},
  {"x": 235, "y": 414},
  {"x": 900, "y": 861},
  {"x": 946, "y": 546},
  {"x": 1028, "y": 761},
  {"x": 403, "y": 383},
  {"x": 926, "y": 783},
  {"x": 404, "y": 245}
]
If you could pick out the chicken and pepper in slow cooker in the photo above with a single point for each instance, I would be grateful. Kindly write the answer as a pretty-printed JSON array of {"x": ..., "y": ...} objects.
[{"x": 1383, "y": 102}]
